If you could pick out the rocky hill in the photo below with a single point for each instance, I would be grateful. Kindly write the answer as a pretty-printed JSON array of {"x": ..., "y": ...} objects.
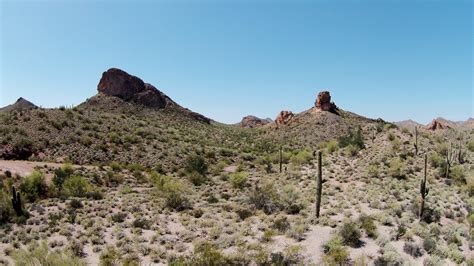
[
  {"x": 20, "y": 105},
  {"x": 251, "y": 121}
]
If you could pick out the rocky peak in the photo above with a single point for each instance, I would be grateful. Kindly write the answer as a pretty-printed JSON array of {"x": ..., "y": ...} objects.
[
  {"x": 251, "y": 121},
  {"x": 323, "y": 102},
  {"x": 284, "y": 117},
  {"x": 20, "y": 105},
  {"x": 118, "y": 83},
  {"x": 436, "y": 125}
]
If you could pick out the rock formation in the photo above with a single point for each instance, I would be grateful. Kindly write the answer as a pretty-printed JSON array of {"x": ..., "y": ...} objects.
[
  {"x": 118, "y": 83},
  {"x": 284, "y": 118},
  {"x": 436, "y": 125},
  {"x": 323, "y": 102},
  {"x": 20, "y": 105},
  {"x": 251, "y": 121}
]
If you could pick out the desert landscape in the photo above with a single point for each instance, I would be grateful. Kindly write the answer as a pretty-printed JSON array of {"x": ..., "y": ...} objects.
[{"x": 130, "y": 177}]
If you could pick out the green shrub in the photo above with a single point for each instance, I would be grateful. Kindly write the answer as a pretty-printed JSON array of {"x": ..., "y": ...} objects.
[
  {"x": 367, "y": 223},
  {"x": 6, "y": 209},
  {"x": 196, "y": 178},
  {"x": 172, "y": 190},
  {"x": 238, "y": 180},
  {"x": 265, "y": 197},
  {"x": 396, "y": 168},
  {"x": 429, "y": 244},
  {"x": 373, "y": 171},
  {"x": 470, "y": 146},
  {"x": 351, "y": 150},
  {"x": 457, "y": 174},
  {"x": 281, "y": 224},
  {"x": 34, "y": 187},
  {"x": 196, "y": 163},
  {"x": 119, "y": 217},
  {"x": 350, "y": 234},
  {"x": 355, "y": 139},
  {"x": 60, "y": 175},
  {"x": 110, "y": 257},
  {"x": 39, "y": 254},
  {"x": 335, "y": 252},
  {"x": 302, "y": 157},
  {"x": 434, "y": 159},
  {"x": 76, "y": 186},
  {"x": 332, "y": 146}
]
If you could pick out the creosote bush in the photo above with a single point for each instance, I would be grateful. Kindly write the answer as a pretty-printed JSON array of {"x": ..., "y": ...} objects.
[
  {"x": 350, "y": 234},
  {"x": 335, "y": 252},
  {"x": 34, "y": 187},
  {"x": 238, "y": 180}
]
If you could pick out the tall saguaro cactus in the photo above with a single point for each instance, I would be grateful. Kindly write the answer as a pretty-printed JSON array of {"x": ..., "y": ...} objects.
[
  {"x": 16, "y": 201},
  {"x": 423, "y": 190},
  {"x": 450, "y": 156},
  {"x": 281, "y": 157},
  {"x": 319, "y": 185},
  {"x": 416, "y": 140}
]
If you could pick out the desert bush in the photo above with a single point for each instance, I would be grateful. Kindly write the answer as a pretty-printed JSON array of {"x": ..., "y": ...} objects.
[
  {"x": 332, "y": 146},
  {"x": 302, "y": 157},
  {"x": 352, "y": 138},
  {"x": 110, "y": 257},
  {"x": 6, "y": 209},
  {"x": 373, "y": 171},
  {"x": 457, "y": 174},
  {"x": 239, "y": 179},
  {"x": 118, "y": 217},
  {"x": 396, "y": 168},
  {"x": 40, "y": 254},
  {"x": 434, "y": 159},
  {"x": 76, "y": 186},
  {"x": 350, "y": 234},
  {"x": 141, "y": 223},
  {"x": 196, "y": 163},
  {"x": 335, "y": 252},
  {"x": 172, "y": 190},
  {"x": 196, "y": 178},
  {"x": 60, "y": 175},
  {"x": 470, "y": 146},
  {"x": 265, "y": 197},
  {"x": 429, "y": 244},
  {"x": 34, "y": 186},
  {"x": 413, "y": 249},
  {"x": 367, "y": 223},
  {"x": 351, "y": 150},
  {"x": 281, "y": 224}
]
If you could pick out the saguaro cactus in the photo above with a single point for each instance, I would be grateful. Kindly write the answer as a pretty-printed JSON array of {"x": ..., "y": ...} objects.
[
  {"x": 281, "y": 157},
  {"x": 416, "y": 140},
  {"x": 16, "y": 201},
  {"x": 423, "y": 190},
  {"x": 450, "y": 156},
  {"x": 319, "y": 185}
]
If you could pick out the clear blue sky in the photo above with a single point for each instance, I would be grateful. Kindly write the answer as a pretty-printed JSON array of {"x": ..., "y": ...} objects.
[{"x": 226, "y": 59}]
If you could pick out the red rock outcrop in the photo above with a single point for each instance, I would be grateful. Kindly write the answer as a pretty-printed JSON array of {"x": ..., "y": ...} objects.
[
  {"x": 284, "y": 117},
  {"x": 251, "y": 121},
  {"x": 436, "y": 125},
  {"x": 116, "y": 82},
  {"x": 323, "y": 102}
]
